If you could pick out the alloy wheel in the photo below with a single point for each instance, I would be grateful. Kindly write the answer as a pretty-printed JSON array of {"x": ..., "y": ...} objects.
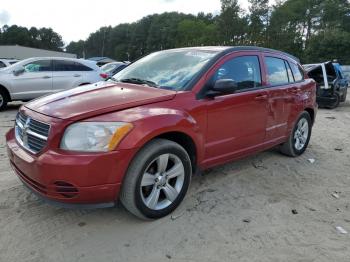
[
  {"x": 162, "y": 181},
  {"x": 301, "y": 134}
]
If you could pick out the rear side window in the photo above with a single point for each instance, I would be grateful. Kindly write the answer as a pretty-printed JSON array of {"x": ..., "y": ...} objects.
[
  {"x": 38, "y": 66},
  {"x": 2, "y": 64},
  {"x": 297, "y": 72},
  {"x": 65, "y": 65},
  {"x": 244, "y": 70},
  {"x": 276, "y": 71}
]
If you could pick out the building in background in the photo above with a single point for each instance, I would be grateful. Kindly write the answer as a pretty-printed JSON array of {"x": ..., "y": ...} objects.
[{"x": 22, "y": 52}]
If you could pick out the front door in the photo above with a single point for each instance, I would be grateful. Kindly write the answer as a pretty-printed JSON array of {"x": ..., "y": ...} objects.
[
  {"x": 35, "y": 81},
  {"x": 237, "y": 122}
]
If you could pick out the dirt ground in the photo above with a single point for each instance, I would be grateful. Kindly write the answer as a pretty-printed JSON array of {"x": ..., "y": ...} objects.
[{"x": 241, "y": 211}]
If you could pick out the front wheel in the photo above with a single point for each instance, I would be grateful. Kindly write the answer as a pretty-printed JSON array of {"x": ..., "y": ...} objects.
[
  {"x": 3, "y": 100},
  {"x": 157, "y": 179},
  {"x": 299, "y": 138}
]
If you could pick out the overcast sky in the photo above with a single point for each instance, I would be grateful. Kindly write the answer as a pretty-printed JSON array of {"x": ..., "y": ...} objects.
[{"x": 76, "y": 19}]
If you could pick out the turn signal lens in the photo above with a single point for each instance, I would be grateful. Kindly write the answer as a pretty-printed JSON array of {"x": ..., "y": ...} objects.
[{"x": 118, "y": 135}]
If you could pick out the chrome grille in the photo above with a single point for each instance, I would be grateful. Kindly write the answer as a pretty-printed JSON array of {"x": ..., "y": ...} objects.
[{"x": 30, "y": 133}]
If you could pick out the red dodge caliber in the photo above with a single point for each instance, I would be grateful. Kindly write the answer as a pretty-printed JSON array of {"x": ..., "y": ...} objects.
[{"x": 140, "y": 136}]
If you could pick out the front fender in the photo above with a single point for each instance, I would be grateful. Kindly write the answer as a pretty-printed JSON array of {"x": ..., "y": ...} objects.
[{"x": 164, "y": 121}]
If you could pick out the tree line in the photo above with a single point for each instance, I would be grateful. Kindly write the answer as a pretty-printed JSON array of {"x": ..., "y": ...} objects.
[
  {"x": 313, "y": 30},
  {"x": 44, "y": 38}
]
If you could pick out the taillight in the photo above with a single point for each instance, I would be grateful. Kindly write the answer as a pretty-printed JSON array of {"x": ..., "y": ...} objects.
[{"x": 103, "y": 75}]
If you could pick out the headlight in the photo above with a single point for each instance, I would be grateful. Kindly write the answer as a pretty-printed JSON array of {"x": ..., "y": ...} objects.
[{"x": 94, "y": 136}]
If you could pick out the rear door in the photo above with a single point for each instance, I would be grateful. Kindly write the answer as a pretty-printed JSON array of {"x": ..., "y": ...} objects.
[
  {"x": 281, "y": 92},
  {"x": 35, "y": 81},
  {"x": 67, "y": 74},
  {"x": 237, "y": 122}
]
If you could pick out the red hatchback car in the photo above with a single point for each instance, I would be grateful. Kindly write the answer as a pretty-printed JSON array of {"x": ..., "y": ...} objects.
[{"x": 141, "y": 135}]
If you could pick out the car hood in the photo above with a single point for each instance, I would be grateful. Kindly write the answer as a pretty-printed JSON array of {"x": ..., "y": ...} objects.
[{"x": 95, "y": 99}]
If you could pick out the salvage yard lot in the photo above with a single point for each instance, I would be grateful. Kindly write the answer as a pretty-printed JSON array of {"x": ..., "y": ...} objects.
[{"x": 241, "y": 211}]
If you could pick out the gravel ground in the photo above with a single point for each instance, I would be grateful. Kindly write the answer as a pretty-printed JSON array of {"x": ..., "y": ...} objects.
[{"x": 267, "y": 207}]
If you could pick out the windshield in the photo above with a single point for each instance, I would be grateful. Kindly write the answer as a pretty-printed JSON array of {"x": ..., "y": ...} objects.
[{"x": 172, "y": 69}]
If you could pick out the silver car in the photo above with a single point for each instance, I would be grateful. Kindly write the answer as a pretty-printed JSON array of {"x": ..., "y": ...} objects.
[{"x": 35, "y": 77}]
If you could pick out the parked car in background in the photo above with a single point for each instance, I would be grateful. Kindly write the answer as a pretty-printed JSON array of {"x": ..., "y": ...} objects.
[
  {"x": 142, "y": 134},
  {"x": 101, "y": 61},
  {"x": 112, "y": 68},
  {"x": 346, "y": 71},
  {"x": 331, "y": 83},
  {"x": 4, "y": 62},
  {"x": 35, "y": 77}
]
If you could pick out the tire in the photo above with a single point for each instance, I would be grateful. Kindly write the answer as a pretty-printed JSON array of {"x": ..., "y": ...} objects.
[
  {"x": 3, "y": 100},
  {"x": 292, "y": 147},
  {"x": 343, "y": 99},
  {"x": 146, "y": 179},
  {"x": 336, "y": 103}
]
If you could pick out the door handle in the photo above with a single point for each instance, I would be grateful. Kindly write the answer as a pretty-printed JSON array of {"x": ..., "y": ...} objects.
[
  {"x": 77, "y": 75},
  {"x": 260, "y": 97},
  {"x": 46, "y": 77}
]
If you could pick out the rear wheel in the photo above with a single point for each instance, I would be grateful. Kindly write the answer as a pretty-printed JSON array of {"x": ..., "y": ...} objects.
[
  {"x": 3, "y": 100},
  {"x": 157, "y": 179},
  {"x": 343, "y": 99},
  {"x": 336, "y": 102},
  {"x": 299, "y": 138}
]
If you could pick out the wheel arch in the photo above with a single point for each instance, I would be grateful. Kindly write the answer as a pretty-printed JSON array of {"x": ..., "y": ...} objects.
[
  {"x": 7, "y": 93},
  {"x": 185, "y": 141},
  {"x": 311, "y": 112},
  {"x": 180, "y": 137}
]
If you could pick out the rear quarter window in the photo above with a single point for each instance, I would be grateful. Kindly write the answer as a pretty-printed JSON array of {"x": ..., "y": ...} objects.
[{"x": 297, "y": 72}]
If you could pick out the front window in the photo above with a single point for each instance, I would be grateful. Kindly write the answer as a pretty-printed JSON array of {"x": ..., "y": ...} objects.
[
  {"x": 244, "y": 70},
  {"x": 172, "y": 69},
  {"x": 38, "y": 66}
]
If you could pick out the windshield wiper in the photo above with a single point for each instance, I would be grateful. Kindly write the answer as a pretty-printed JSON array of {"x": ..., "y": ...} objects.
[{"x": 138, "y": 81}]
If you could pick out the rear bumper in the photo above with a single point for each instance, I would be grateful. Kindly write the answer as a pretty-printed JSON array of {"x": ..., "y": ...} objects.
[{"x": 90, "y": 179}]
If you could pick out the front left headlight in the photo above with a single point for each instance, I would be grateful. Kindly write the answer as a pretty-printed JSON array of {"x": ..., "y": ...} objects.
[{"x": 94, "y": 136}]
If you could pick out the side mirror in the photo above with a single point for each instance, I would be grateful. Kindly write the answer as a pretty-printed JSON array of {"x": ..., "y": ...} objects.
[
  {"x": 223, "y": 86},
  {"x": 18, "y": 71}
]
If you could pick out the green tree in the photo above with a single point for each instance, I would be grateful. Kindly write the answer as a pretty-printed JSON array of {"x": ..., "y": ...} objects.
[
  {"x": 232, "y": 23},
  {"x": 258, "y": 22},
  {"x": 44, "y": 38},
  {"x": 329, "y": 45}
]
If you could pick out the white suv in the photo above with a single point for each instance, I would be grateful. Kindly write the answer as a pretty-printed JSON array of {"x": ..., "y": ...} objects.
[{"x": 35, "y": 77}]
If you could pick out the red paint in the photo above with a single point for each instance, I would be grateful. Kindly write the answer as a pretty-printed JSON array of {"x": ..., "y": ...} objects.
[{"x": 223, "y": 129}]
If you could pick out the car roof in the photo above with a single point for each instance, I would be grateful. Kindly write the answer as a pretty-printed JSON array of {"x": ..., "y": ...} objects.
[
  {"x": 222, "y": 50},
  {"x": 88, "y": 63}
]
